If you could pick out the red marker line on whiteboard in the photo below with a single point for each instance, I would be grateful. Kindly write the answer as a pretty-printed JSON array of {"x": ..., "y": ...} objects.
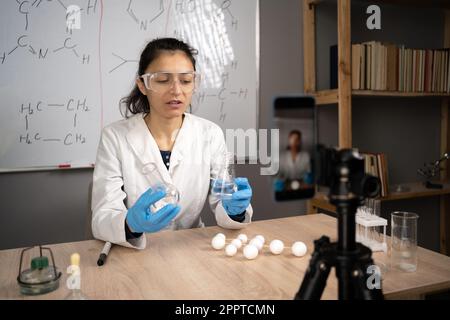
[{"x": 64, "y": 165}]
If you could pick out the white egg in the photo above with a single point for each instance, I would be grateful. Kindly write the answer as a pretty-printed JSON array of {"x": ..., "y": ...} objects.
[
  {"x": 220, "y": 235},
  {"x": 261, "y": 238},
  {"x": 257, "y": 243},
  {"x": 218, "y": 243},
  {"x": 243, "y": 238},
  {"x": 237, "y": 243},
  {"x": 276, "y": 246},
  {"x": 230, "y": 250},
  {"x": 299, "y": 249},
  {"x": 250, "y": 251}
]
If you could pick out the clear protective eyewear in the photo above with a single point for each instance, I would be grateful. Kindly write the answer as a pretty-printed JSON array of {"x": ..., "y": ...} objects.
[{"x": 163, "y": 81}]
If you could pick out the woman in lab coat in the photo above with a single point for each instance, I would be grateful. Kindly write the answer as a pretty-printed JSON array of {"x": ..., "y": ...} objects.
[
  {"x": 184, "y": 150},
  {"x": 295, "y": 163}
]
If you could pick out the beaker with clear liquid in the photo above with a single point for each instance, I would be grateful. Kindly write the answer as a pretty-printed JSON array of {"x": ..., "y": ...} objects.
[{"x": 222, "y": 179}]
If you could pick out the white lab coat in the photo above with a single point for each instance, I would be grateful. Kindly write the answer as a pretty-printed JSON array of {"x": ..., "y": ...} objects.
[
  {"x": 126, "y": 147},
  {"x": 294, "y": 169}
]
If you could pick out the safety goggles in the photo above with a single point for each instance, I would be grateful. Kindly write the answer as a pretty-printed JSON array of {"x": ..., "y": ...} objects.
[{"x": 163, "y": 81}]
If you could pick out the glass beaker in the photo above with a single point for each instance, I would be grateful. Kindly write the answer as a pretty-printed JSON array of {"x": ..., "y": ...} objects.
[
  {"x": 404, "y": 241},
  {"x": 222, "y": 178},
  {"x": 158, "y": 184}
]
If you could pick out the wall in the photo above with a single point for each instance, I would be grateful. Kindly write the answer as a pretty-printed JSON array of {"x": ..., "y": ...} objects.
[
  {"x": 44, "y": 207},
  {"x": 48, "y": 207}
]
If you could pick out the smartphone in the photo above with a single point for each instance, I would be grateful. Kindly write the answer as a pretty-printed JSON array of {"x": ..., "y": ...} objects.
[{"x": 295, "y": 117}]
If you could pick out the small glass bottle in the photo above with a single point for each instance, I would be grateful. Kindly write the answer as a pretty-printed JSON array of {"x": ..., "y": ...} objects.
[{"x": 74, "y": 280}]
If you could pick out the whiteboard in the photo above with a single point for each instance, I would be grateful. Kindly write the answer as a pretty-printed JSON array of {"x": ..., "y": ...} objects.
[{"x": 65, "y": 65}]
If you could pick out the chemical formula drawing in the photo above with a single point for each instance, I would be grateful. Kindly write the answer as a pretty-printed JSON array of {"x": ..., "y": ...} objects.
[{"x": 66, "y": 65}]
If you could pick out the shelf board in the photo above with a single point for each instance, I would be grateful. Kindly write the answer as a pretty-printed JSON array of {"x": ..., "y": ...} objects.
[
  {"x": 413, "y": 3},
  {"x": 409, "y": 3},
  {"x": 324, "y": 97},
  {"x": 416, "y": 190},
  {"x": 398, "y": 94}
]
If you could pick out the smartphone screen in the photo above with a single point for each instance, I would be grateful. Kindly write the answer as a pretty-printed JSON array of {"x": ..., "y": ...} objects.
[{"x": 295, "y": 117}]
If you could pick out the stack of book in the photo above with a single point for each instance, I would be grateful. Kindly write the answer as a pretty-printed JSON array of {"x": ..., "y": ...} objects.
[
  {"x": 376, "y": 165},
  {"x": 388, "y": 67}
]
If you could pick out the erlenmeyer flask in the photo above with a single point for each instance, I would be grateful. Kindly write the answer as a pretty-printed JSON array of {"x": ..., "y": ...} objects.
[
  {"x": 222, "y": 180},
  {"x": 157, "y": 184}
]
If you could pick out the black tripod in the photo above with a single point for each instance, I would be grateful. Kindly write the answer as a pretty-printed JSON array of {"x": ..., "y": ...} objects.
[{"x": 348, "y": 188}]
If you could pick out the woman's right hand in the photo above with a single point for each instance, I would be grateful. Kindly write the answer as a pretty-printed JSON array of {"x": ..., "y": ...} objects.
[{"x": 141, "y": 219}]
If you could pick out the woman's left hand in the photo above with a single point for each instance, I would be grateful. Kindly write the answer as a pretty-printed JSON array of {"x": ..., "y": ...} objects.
[{"x": 240, "y": 200}]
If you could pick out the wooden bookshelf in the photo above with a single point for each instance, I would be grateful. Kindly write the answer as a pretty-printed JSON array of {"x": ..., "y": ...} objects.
[
  {"x": 342, "y": 96},
  {"x": 324, "y": 97},
  {"x": 415, "y": 190}
]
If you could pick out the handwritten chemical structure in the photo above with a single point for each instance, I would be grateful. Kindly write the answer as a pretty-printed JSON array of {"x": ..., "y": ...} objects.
[
  {"x": 25, "y": 8},
  {"x": 72, "y": 47},
  {"x": 66, "y": 139},
  {"x": 122, "y": 63},
  {"x": 25, "y": 40},
  {"x": 222, "y": 96},
  {"x": 191, "y": 6},
  {"x": 226, "y": 7},
  {"x": 72, "y": 105},
  {"x": 65, "y": 65},
  {"x": 144, "y": 23}
]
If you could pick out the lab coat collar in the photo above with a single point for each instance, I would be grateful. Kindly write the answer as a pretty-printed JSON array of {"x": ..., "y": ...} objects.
[{"x": 146, "y": 148}]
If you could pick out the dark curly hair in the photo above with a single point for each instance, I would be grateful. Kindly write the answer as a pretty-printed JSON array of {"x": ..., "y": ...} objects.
[
  {"x": 294, "y": 132},
  {"x": 136, "y": 102}
]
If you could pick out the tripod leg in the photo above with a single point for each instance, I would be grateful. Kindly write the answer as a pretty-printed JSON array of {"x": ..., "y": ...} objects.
[
  {"x": 316, "y": 275},
  {"x": 345, "y": 287},
  {"x": 358, "y": 275}
]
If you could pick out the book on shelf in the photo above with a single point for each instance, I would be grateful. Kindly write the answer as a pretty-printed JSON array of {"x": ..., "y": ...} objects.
[
  {"x": 375, "y": 164},
  {"x": 389, "y": 67},
  {"x": 356, "y": 65}
]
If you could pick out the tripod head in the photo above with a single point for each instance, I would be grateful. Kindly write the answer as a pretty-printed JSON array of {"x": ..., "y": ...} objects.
[{"x": 343, "y": 172}]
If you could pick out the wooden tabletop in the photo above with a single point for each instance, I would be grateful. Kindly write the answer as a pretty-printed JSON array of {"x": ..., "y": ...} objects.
[{"x": 183, "y": 265}]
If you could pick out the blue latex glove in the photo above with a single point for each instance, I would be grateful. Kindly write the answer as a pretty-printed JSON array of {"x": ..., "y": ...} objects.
[
  {"x": 308, "y": 178},
  {"x": 141, "y": 219},
  {"x": 240, "y": 199},
  {"x": 278, "y": 185}
]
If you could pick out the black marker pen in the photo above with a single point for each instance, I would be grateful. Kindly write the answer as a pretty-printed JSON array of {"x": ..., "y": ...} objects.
[{"x": 102, "y": 258}]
